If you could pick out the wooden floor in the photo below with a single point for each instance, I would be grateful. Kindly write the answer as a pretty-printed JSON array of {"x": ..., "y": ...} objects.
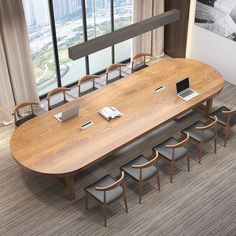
[{"x": 201, "y": 202}]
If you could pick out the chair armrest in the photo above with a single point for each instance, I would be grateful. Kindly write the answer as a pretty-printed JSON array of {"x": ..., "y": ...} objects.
[
  {"x": 23, "y": 104},
  {"x": 147, "y": 164},
  {"x": 208, "y": 126},
  {"x": 113, "y": 185},
  {"x": 229, "y": 112},
  {"x": 86, "y": 78},
  {"x": 179, "y": 144},
  {"x": 114, "y": 66},
  {"x": 141, "y": 55},
  {"x": 57, "y": 90}
]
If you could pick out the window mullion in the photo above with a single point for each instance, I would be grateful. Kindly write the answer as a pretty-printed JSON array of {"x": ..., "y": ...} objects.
[
  {"x": 54, "y": 40},
  {"x": 85, "y": 33},
  {"x": 112, "y": 29}
]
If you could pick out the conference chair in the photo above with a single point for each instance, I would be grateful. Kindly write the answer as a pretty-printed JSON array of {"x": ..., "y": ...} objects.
[
  {"x": 57, "y": 91},
  {"x": 87, "y": 78},
  {"x": 20, "y": 119},
  {"x": 141, "y": 169},
  {"x": 111, "y": 70},
  {"x": 139, "y": 62},
  {"x": 172, "y": 150},
  {"x": 201, "y": 134},
  {"x": 226, "y": 119},
  {"x": 105, "y": 191}
]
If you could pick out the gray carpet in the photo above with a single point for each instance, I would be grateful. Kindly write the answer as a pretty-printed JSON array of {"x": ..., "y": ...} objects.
[{"x": 201, "y": 202}]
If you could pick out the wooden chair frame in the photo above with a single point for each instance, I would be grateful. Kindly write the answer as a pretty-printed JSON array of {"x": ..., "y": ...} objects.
[
  {"x": 84, "y": 79},
  {"x": 184, "y": 142},
  {"x": 56, "y": 91},
  {"x": 15, "y": 110},
  {"x": 139, "y": 55},
  {"x": 152, "y": 162},
  {"x": 228, "y": 125},
  {"x": 112, "y": 68},
  {"x": 201, "y": 144},
  {"x": 119, "y": 182}
]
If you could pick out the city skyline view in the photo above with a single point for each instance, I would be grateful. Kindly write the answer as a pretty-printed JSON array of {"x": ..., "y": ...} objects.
[{"x": 69, "y": 30}]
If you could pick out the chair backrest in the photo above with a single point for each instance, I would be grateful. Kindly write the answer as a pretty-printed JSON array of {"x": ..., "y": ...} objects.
[
  {"x": 229, "y": 115},
  {"x": 16, "y": 109},
  {"x": 119, "y": 182},
  {"x": 56, "y": 91},
  {"x": 178, "y": 145},
  {"x": 212, "y": 125},
  {"x": 84, "y": 79},
  {"x": 113, "y": 67},
  {"x": 146, "y": 165},
  {"x": 139, "y": 56}
]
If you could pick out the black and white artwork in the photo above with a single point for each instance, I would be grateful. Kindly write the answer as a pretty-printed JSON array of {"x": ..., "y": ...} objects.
[{"x": 218, "y": 16}]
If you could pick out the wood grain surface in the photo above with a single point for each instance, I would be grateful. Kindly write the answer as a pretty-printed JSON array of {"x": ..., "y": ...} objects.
[{"x": 46, "y": 146}]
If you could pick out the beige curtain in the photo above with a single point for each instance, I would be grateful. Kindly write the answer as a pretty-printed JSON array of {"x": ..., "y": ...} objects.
[
  {"x": 17, "y": 82},
  {"x": 150, "y": 42}
]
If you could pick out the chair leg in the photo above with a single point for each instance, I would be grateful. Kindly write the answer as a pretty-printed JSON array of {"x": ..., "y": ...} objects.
[
  {"x": 215, "y": 144},
  {"x": 226, "y": 137},
  {"x": 86, "y": 201},
  {"x": 125, "y": 201},
  {"x": 188, "y": 161},
  {"x": 201, "y": 151},
  {"x": 124, "y": 195},
  {"x": 140, "y": 187},
  {"x": 105, "y": 214},
  {"x": 171, "y": 171},
  {"x": 158, "y": 179}
]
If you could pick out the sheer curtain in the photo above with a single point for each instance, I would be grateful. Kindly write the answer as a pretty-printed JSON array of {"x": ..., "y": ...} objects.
[
  {"x": 17, "y": 81},
  {"x": 150, "y": 42}
]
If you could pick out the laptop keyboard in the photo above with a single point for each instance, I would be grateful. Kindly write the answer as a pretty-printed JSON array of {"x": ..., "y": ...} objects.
[{"x": 186, "y": 93}]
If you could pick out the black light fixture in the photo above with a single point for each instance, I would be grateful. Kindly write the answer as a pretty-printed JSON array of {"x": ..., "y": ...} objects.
[{"x": 118, "y": 36}]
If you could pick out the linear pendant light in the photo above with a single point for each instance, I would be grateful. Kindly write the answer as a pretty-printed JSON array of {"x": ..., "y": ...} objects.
[{"x": 118, "y": 36}]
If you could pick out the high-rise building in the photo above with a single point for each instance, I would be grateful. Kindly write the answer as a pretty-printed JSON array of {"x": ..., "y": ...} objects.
[
  {"x": 60, "y": 8},
  {"x": 74, "y": 6},
  {"x": 41, "y": 11},
  {"x": 29, "y": 12}
]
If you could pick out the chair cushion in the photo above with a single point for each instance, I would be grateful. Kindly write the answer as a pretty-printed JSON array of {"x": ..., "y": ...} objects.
[
  {"x": 222, "y": 118},
  {"x": 167, "y": 152},
  {"x": 111, "y": 195},
  {"x": 139, "y": 67},
  {"x": 24, "y": 119},
  {"x": 88, "y": 91},
  {"x": 135, "y": 172},
  {"x": 114, "y": 79},
  {"x": 58, "y": 104},
  {"x": 197, "y": 134}
]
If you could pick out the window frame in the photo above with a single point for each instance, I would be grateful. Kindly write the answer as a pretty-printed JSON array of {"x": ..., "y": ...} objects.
[{"x": 55, "y": 43}]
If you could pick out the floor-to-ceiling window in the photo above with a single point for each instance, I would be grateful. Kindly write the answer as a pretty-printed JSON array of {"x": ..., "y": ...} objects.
[
  {"x": 123, "y": 11},
  {"x": 69, "y": 31},
  {"x": 41, "y": 44},
  {"x": 55, "y": 25},
  {"x": 98, "y": 15}
]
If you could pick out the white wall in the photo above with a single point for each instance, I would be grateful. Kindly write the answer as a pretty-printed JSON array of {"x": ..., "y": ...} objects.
[{"x": 211, "y": 48}]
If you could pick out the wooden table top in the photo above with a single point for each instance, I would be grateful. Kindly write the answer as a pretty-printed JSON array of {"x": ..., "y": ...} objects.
[{"x": 46, "y": 146}]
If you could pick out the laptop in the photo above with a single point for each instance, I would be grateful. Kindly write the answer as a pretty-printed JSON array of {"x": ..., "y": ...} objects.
[
  {"x": 184, "y": 91},
  {"x": 67, "y": 114}
]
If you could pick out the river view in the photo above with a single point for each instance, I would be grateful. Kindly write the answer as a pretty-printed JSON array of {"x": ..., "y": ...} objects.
[{"x": 101, "y": 59}]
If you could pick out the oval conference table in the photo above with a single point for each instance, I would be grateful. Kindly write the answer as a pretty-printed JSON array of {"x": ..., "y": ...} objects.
[{"x": 47, "y": 147}]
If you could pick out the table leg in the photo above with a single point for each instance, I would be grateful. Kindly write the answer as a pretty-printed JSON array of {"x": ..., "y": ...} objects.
[
  {"x": 68, "y": 183},
  {"x": 208, "y": 107},
  {"x": 70, "y": 187}
]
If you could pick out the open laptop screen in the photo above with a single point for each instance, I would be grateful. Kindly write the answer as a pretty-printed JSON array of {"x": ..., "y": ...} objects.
[{"x": 182, "y": 85}]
